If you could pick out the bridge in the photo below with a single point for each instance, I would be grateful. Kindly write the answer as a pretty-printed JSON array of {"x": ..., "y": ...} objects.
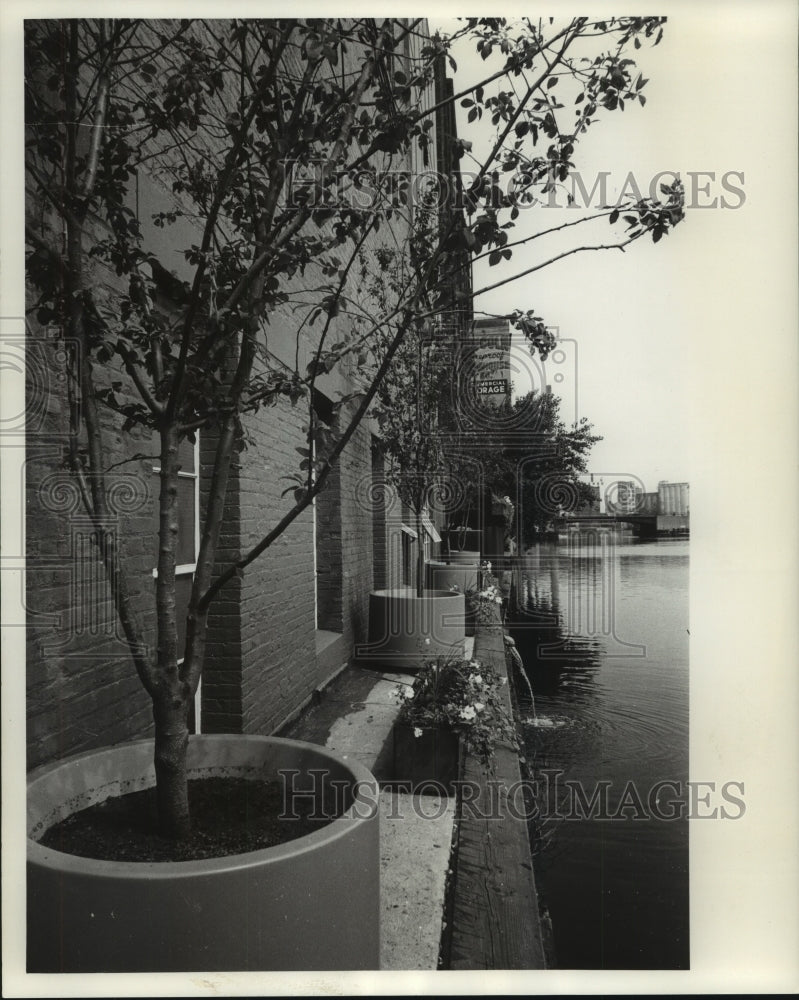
[{"x": 644, "y": 525}]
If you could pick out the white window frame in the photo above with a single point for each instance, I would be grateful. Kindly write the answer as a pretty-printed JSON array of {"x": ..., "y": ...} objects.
[
  {"x": 407, "y": 537},
  {"x": 429, "y": 536}
]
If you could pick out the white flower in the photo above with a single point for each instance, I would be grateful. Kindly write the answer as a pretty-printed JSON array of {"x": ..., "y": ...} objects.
[
  {"x": 467, "y": 713},
  {"x": 479, "y": 706},
  {"x": 476, "y": 679},
  {"x": 417, "y": 732},
  {"x": 406, "y": 693},
  {"x": 427, "y": 642}
]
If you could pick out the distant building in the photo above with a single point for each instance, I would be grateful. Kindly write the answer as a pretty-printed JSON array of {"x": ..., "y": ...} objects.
[
  {"x": 674, "y": 510},
  {"x": 673, "y": 499},
  {"x": 628, "y": 498},
  {"x": 649, "y": 503}
]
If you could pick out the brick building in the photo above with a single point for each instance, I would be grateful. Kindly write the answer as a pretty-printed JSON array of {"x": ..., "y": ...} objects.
[
  {"x": 277, "y": 633},
  {"x": 489, "y": 358}
]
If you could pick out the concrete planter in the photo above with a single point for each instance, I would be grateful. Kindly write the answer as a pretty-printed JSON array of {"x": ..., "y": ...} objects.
[
  {"x": 465, "y": 545},
  {"x": 399, "y": 623},
  {"x": 464, "y": 557},
  {"x": 429, "y": 763},
  {"x": 445, "y": 576},
  {"x": 312, "y": 903}
]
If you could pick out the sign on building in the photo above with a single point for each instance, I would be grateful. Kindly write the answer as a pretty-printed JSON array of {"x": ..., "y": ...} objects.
[{"x": 492, "y": 387}]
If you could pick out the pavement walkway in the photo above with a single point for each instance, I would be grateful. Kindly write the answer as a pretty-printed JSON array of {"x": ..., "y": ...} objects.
[{"x": 354, "y": 716}]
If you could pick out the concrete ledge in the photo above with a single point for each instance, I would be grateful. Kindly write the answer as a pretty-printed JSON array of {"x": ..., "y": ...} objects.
[
  {"x": 332, "y": 654},
  {"x": 494, "y": 908}
]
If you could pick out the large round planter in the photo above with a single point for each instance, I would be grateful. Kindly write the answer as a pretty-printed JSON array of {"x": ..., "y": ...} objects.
[
  {"x": 464, "y": 557},
  {"x": 311, "y": 903},
  {"x": 400, "y": 623},
  {"x": 445, "y": 576},
  {"x": 465, "y": 543},
  {"x": 464, "y": 577}
]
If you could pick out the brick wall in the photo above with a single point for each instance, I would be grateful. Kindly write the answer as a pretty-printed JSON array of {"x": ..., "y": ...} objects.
[
  {"x": 328, "y": 544},
  {"x": 356, "y": 534},
  {"x": 221, "y": 691},
  {"x": 82, "y": 688},
  {"x": 277, "y": 598},
  {"x": 379, "y": 502}
]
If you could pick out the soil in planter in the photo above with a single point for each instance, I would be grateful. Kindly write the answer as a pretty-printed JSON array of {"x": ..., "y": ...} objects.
[{"x": 228, "y": 815}]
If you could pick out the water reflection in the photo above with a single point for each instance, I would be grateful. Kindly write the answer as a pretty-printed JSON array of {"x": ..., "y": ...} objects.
[
  {"x": 603, "y": 634},
  {"x": 554, "y": 655}
]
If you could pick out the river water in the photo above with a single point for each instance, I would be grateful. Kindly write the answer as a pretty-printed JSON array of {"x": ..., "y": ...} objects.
[{"x": 602, "y": 628}]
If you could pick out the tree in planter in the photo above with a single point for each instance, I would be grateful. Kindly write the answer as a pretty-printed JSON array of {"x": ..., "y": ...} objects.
[
  {"x": 540, "y": 472},
  {"x": 279, "y": 143},
  {"x": 407, "y": 414},
  {"x": 544, "y": 472}
]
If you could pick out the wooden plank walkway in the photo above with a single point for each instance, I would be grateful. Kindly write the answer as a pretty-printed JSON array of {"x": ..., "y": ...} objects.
[{"x": 494, "y": 918}]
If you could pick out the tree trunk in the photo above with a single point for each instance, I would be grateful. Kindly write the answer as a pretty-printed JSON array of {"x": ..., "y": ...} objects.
[
  {"x": 171, "y": 776},
  {"x": 420, "y": 565},
  {"x": 172, "y": 697}
]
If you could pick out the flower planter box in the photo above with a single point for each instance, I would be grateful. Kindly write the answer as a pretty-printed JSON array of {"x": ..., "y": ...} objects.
[
  {"x": 311, "y": 903},
  {"x": 400, "y": 622},
  {"x": 429, "y": 762}
]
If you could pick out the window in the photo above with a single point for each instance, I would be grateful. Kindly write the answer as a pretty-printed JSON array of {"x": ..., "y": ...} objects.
[
  {"x": 328, "y": 554},
  {"x": 188, "y": 545},
  {"x": 379, "y": 527},
  {"x": 408, "y": 537},
  {"x": 431, "y": 535}
]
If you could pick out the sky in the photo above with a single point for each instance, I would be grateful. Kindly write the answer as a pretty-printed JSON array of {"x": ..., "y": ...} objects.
[{"x": 630, "y": 321}]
